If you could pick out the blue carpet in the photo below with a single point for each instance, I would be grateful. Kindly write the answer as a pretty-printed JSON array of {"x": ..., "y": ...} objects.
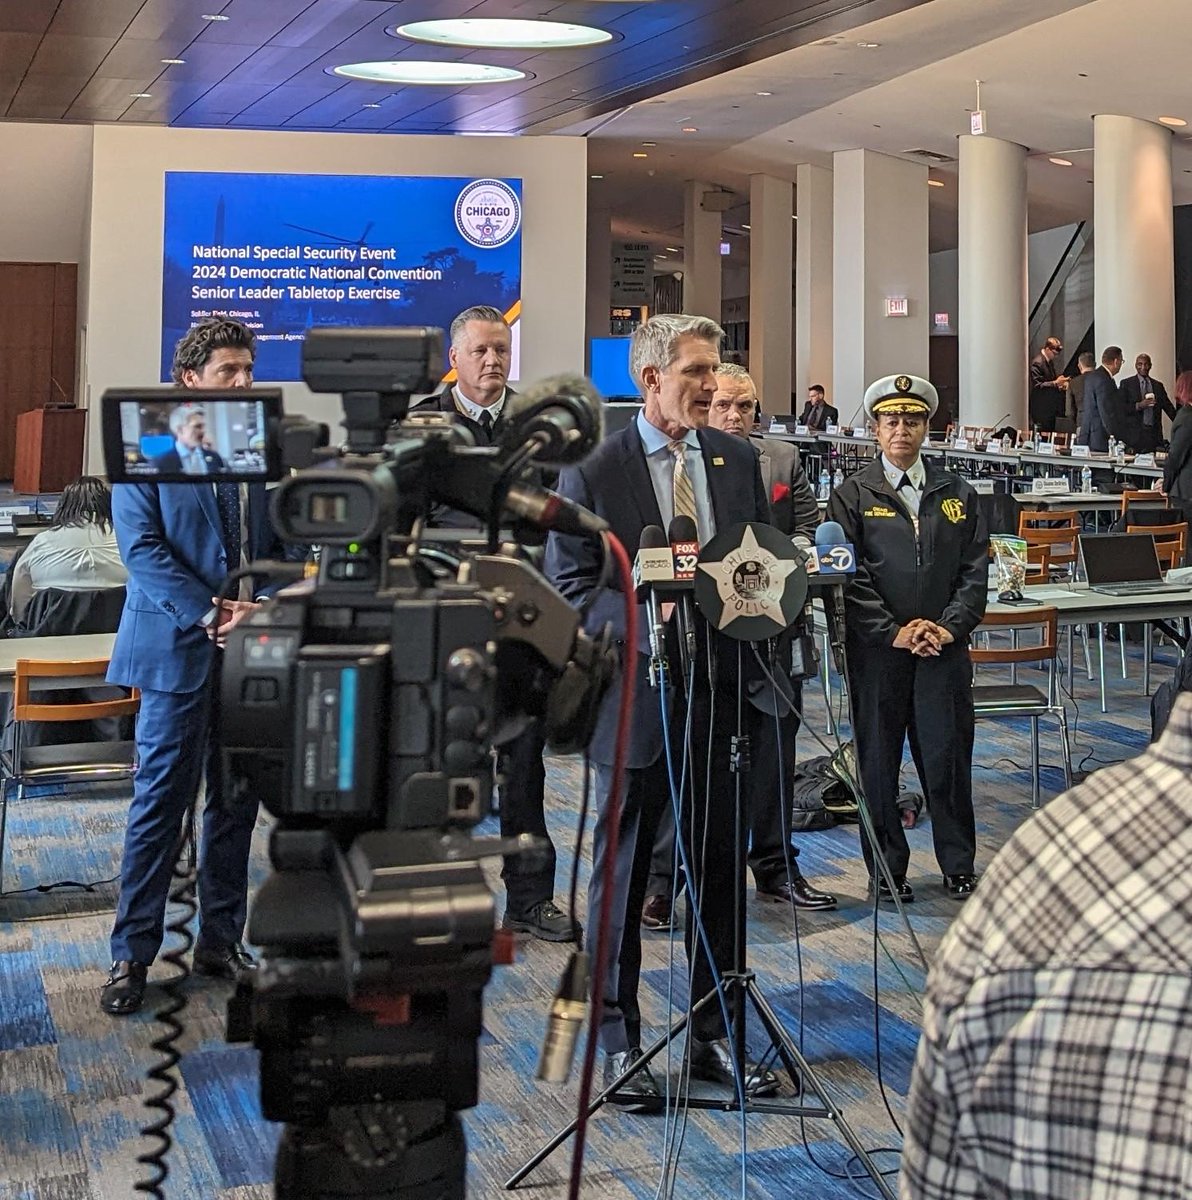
[{"x": 71, "y": 1079}]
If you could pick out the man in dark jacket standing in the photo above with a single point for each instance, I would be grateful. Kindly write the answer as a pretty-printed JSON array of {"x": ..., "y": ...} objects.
[
  {"x": 1144, "y": 401},
  {"x": 1047, "y": 387},
  {"x": 919, "y": 591},
  {"x": 1104, "y": 414}
]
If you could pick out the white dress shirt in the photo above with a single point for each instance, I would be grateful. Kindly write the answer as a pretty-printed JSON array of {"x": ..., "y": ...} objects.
[
  {"x": 911, "y": 494},
  {"x": 474, "y": 411}
]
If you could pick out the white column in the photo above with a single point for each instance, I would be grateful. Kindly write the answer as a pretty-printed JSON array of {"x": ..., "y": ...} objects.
[
  {"x": 701, "y": 253},
  {"x": 879, "y": 250},
  {"x": 1133, "y": 248},
  {"x": 813, "y": 281},
  {"x": 771, "y": 247},
  {"x": 600, "y": 267},
  {"x": 992, "y": 313}
]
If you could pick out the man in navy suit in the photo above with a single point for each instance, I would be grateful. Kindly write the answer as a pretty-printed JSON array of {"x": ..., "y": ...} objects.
[
  {"x": 188, "y": 424},
  {"x": 180, "y": 541},
  {"x": 665, "y": 462}
]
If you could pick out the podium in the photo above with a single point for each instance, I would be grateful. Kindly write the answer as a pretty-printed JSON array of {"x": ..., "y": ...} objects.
[{"x": 49, "y": 449}]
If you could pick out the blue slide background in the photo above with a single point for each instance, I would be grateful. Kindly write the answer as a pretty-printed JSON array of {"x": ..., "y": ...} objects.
[{"x": 414, "y": 215}]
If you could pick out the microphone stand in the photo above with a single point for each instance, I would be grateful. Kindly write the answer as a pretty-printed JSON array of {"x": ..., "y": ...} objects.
[{"x": 738, "y": 989}]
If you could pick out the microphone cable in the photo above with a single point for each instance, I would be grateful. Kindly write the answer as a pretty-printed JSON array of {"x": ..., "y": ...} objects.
[{"x": 614, "y": 549}]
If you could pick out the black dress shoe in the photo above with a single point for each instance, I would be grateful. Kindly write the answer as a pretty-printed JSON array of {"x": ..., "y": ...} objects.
[
  {"x": 124, "y": 992},
  {"x": 960, "y": 887},
  {"x": 658, "y": 913},
  {"x": 545, "y": 921},
  {"x": 883, "y": 891},
  {"x": 223, "y": 962},
  {"x": 713, "y": 1062},
  {"x": 640, "y": 1092},
  {"x": 796, "y": 891}
]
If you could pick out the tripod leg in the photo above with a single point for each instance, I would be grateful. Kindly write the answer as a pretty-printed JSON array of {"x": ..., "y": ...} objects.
[{"x": 797, "y": 1064}]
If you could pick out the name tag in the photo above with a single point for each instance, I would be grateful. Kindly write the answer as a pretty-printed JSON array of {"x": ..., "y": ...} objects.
[
  {"x": 1144, "y": 460},
  {"x": 960, "y": 444},
  {"x": 833, "y": 429},
  {"x": 802, "y": 430},
  {"x": 1045, "y": 448},
  {"x": 983, "y": 487},
  {"x": 775, "y": 427},
  {"x": 1079, "y": 451},
  {"x": 1046, "y": 486}
]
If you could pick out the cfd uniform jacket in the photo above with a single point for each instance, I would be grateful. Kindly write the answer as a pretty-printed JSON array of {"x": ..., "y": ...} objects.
[{"x": 941, "y": 575}]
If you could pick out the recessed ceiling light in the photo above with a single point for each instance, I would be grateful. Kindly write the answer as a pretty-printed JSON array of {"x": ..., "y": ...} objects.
[
  {"x": 935, "y": 183},
  {"x": 595, "y": 176},
  {"x": 141, "y": 95},
  {"x": 640, "y": 154},
  {"x": 1175, "y": 122},
  {"x": 868, "y": 45},
  {"x": 370, "y": 106},
  {"x": 763, "y": 93},
  {"x": 651, "y": 144},
  {"x": 1060, "y": 162},
  {"x": 215, "y": 17},
  {"x": 502, "y": 33},
  {"x": 418, "y": 71},
  {"x": 672, "y": 249},
  {"x": 690, "y": 129},
  {"x": 173, "y": 62},
  {"x": 746, "y": 226}
]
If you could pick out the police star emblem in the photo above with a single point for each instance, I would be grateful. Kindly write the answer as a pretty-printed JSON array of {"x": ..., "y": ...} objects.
[{"x": 750, "y": 584}]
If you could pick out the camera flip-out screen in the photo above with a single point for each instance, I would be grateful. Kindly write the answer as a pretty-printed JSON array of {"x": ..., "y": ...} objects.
[{"x": 168, "y": 435}]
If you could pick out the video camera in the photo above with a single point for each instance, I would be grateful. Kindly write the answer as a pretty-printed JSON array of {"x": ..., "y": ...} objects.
[{"x": 361, "y": 707}]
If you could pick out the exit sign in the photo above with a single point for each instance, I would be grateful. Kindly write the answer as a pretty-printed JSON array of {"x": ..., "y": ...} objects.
[{"x": 898, "y": 306}]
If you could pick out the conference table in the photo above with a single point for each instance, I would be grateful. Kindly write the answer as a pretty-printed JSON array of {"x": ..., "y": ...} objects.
[
  {"x": 1076, "y": 604},
  {"x": 54, "y": 649}
]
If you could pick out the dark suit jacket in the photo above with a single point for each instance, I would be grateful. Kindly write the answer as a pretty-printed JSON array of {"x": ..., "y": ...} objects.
[
  {"x": 792, "y": 498},
  {"x": 614, "y": 482},
  {"x": 1144, "y": 439},
  {"x": 1046, "y": 399},
  {"x": 819, "y": 416},
  {"x": 1177, "y": 470},
  {"x": 1104, "y": 415},
  {"x": 171, "y": 541},
  {"x": 171, "y": 460}
]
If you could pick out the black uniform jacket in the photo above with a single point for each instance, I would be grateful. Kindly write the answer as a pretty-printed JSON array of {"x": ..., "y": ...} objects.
[{"x": 941, "y": 575}]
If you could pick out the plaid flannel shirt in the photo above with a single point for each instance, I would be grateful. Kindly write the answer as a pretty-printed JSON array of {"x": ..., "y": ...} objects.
[{"x": 1056, "y": 1057}]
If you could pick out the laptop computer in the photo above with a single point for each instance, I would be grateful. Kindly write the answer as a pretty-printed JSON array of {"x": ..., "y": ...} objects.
[{"x": 1123, "y": 564}]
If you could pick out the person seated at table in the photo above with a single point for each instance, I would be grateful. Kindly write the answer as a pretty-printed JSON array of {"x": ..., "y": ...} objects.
[{"x": 77, "y": 553}]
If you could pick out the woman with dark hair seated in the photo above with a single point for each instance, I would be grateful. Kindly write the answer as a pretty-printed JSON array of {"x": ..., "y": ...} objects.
[{"x": 77, "y": 553}]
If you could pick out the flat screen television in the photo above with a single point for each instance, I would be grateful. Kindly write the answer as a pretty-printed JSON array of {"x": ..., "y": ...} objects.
[{"x": 610, "y": 368}]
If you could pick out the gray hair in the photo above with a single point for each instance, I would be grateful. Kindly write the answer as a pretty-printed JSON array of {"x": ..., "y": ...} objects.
[
  {"x": 728, "y": 370},
  {"x": 478, "y": 312},
  {"x": 653, "y": 344},
  {"x": 182, "y": 413}
]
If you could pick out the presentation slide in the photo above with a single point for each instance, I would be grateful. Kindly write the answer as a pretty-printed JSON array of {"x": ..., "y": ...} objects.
[{"x": 284, "y": 252}]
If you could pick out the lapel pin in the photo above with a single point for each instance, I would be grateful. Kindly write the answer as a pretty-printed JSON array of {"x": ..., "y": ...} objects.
[{"x": 718, "y": 462}]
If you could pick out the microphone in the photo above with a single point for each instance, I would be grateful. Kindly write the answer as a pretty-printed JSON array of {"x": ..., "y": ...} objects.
[
  {"x": 684, "y": 546},
  {"x": 550, "y": 511},
  {"x": 564, "y": 1022},
  {"x": 852, "y": 421},
  {"x": 998, "y": 424},
  {"x": 652, "y": 566},
  {"x": 564, "y": 414},
  {"x": 837, "y": 560}
]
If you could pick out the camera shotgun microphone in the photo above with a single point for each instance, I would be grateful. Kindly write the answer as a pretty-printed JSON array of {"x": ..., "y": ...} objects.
[
  {"x": 563, "y": 414},
  {"x": 653, "y": 566},
  {"x": 684, "y": 546}
]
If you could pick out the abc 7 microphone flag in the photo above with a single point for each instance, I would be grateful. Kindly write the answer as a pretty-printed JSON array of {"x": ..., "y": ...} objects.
[{"x": 751, "y": 583}]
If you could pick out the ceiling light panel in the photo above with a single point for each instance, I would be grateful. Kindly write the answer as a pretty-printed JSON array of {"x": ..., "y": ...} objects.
[
  {"x": 419, "y": 72},
  {"x": 488, "y": 33},
  {"x": 1174, "y": 122}
]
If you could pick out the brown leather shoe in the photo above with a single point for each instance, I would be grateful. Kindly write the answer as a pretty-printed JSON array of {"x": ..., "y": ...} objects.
[{"x": 658, "y": 913}]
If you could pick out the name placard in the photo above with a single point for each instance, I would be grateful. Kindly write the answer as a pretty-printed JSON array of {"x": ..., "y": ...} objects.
[
  {"x": 1079, "y": 451},
  {"x": 1144, "y": 460},
  {"x": 960, "y": 444},
  {"x": 802, "y": 430},
  {"x": 983, "y": 487},
  {"x": 1045, "y": 485},
  {"x": 832, "y": 429},
  {"x": 1045, "y": 448},
  {"x": 777, "y": 427}
]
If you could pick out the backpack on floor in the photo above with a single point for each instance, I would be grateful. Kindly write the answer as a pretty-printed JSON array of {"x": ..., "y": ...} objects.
[{"x": 820, "y": 799}]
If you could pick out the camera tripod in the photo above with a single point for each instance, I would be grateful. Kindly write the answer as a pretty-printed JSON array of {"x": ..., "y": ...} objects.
[{"x": 738, "y": 990}]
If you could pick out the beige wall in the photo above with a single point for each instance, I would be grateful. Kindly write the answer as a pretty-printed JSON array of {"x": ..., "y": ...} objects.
[
  {"x": 45, "y": 177},
  {"x": 123, "y": 301}
]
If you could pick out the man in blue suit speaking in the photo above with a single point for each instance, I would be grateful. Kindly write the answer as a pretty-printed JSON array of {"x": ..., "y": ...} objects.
[{"x": 180, "y": 541}]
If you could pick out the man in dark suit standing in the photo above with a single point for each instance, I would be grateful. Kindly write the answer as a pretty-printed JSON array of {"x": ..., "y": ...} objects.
[
  {"x": 1145, "y": 400},
  {"x": 663, "y": 464},
  {"x": 179, "y": 542},
  {"x": 818, "y": 414},
  {"x": 481, "y": 354},
  {"x": 1047, "y": 386},
  {"x": 188, "y": 424},
  {"x": 1104, "y": 413}
]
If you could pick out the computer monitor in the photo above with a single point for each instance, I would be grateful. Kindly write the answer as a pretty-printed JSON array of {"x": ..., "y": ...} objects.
[
  {"x": 1120, "y": 558},
  {"x": 609, "y": 357}
]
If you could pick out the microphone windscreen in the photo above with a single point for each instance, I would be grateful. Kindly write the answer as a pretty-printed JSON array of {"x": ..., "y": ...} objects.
[
  {"x": 682, "y": 529},
  {"x": 567, "y": 407},
  {"x": 829, "y": 533},
  {"x": 653, "y": 538}
]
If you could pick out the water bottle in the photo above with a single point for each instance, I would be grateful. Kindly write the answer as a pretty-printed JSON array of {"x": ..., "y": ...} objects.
[
  {"x": 1086, "y": 481},
  {"x": 1006, "y": 443},
  {"x": 825, "y": 483},
  {"x": 838, "y": 478}
]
